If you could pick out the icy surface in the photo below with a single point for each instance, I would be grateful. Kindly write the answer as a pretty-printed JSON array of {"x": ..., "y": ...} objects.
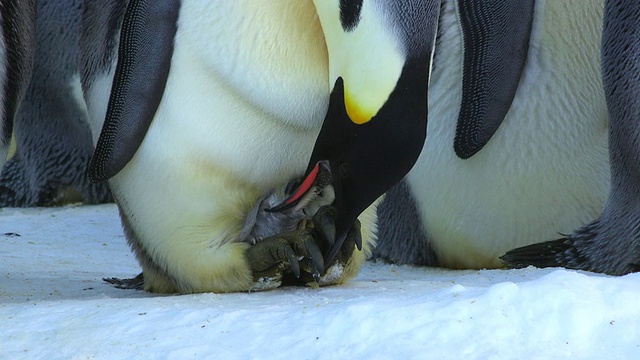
[{"x": 53, "y": 305}]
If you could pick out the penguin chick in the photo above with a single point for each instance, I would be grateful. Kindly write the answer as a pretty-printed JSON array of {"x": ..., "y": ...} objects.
[
  {"x": 310, "y": 219},
  {"x": 610, "y": 244},
  {"x": 284, "y": 243},
  {"x": 273, "y": 214}
]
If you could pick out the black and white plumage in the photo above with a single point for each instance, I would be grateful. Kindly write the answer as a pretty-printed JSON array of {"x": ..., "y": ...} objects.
[
  {"x": 53, "y": 137},
  {"x": 17, "y": 47},
  {"x": 544, "y": 170},
  {"x": 611, "y": 243},
  {"x": 379, "y": 64},
  {"x": 246, "y": 90}
]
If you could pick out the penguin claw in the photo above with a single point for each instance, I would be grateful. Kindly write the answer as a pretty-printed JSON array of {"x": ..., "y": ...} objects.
[
  {"x": 325, "y": 224},
  {"x": 325, "y": 220},
  {"x": 317, "y": 261},
  {"x": 283, "y": 256},
  {"x": 136, "y": 283},
  {"x": 298, "y": 257},
  {"x": 293, "y": 261},
  {"x": 357, "y": 236}
]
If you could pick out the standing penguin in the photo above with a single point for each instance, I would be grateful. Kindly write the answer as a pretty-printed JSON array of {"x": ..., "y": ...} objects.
[
  {"x": 213, "y": 105},
  {"x": 53, "y": 139},
  {"x": 17, "y": 46},
  {"x": 610, "y": 244},
  {"x": 497, "y": 175}
]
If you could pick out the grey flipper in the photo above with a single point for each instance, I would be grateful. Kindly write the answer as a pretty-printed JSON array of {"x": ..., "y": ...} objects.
[
  {"x": 496, "y": 42},
  {"x": 401, "y": 236},
  {"x": 144, "y": 58},
  {"x": 53, "y": 139},
  {"x": 17, "y": 48},
  {"x": 610, "y": 244}
]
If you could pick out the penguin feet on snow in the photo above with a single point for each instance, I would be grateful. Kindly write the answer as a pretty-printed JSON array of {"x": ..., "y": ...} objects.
[
  {"x": 297, "y": 257},
  {"x": 303, "y": 220},
  {"x": 287, "y": 245},
  {"x": 610, "y": 244}
]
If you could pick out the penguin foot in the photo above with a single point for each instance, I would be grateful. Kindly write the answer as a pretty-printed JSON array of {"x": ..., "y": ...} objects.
[
  {"x": 276, "y": 259},
  {"x": 136, "y": 283},
  {"x": 296, "y": 257},
  {"x": 335, "y": 272},
  {"x": 590, "y": 248}
]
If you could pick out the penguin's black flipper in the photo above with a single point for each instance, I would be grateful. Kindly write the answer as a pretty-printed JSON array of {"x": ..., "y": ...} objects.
[
  {"x": 610, "y": 244},
  {"x": 496, "y": 42},
  {"x": 17, "y": 22},
  {"x": 144, "y": 58}
]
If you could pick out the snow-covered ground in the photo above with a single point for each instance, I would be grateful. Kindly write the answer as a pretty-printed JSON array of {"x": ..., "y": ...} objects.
[{"x": 54, "y": 305}]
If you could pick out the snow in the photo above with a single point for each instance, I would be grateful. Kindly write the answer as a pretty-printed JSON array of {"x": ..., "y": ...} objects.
[{"x": 54, "y": 305}]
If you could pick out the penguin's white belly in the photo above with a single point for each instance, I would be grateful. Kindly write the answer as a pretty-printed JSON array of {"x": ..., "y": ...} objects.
[
  {"x": 546, "y": 169},
  {"x": 240, "y": 113}
]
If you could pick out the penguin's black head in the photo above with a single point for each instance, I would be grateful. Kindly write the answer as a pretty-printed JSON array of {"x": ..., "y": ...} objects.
[{"x": 379, "y": 61}]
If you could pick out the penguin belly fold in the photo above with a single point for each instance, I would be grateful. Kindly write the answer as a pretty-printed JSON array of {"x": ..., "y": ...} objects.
[
  {"x": 243, "y": 103},
  {"x": 545, "y": 170}
]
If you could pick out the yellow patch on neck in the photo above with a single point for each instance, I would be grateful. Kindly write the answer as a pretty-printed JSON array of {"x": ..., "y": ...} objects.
[
  {"x": 357, "y": 113},
  {"x": 369, "y": 58}
]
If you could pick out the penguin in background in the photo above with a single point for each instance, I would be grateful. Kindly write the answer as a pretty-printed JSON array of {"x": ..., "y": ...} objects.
[
  {"x": 17, "y": 46},
  {"x": 215, "y": 104},
  {"x": 53, "y": 138},
  {"x": 611, "y": 243},
  {"x": 495, "y": 176}
]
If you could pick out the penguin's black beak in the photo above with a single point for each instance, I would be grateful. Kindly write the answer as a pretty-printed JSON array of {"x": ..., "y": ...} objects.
[
  {"x": 376, "y": 123},
  {"x": 368, "y": 159}
]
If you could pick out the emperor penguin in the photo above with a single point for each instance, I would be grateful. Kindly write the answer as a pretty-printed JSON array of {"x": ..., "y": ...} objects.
[
  {"x": 516, "y": 149},
  {"x": 17, "y": 46},
  {"x": 611, "y": 243},
  {"x": 208, "y": 106},
  {"x": 53, "y": 138}
]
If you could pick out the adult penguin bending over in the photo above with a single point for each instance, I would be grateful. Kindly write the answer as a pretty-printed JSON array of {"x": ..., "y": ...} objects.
[
  {"x": 215, "y": 104},
  {"x": 610, "y": 244}
]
